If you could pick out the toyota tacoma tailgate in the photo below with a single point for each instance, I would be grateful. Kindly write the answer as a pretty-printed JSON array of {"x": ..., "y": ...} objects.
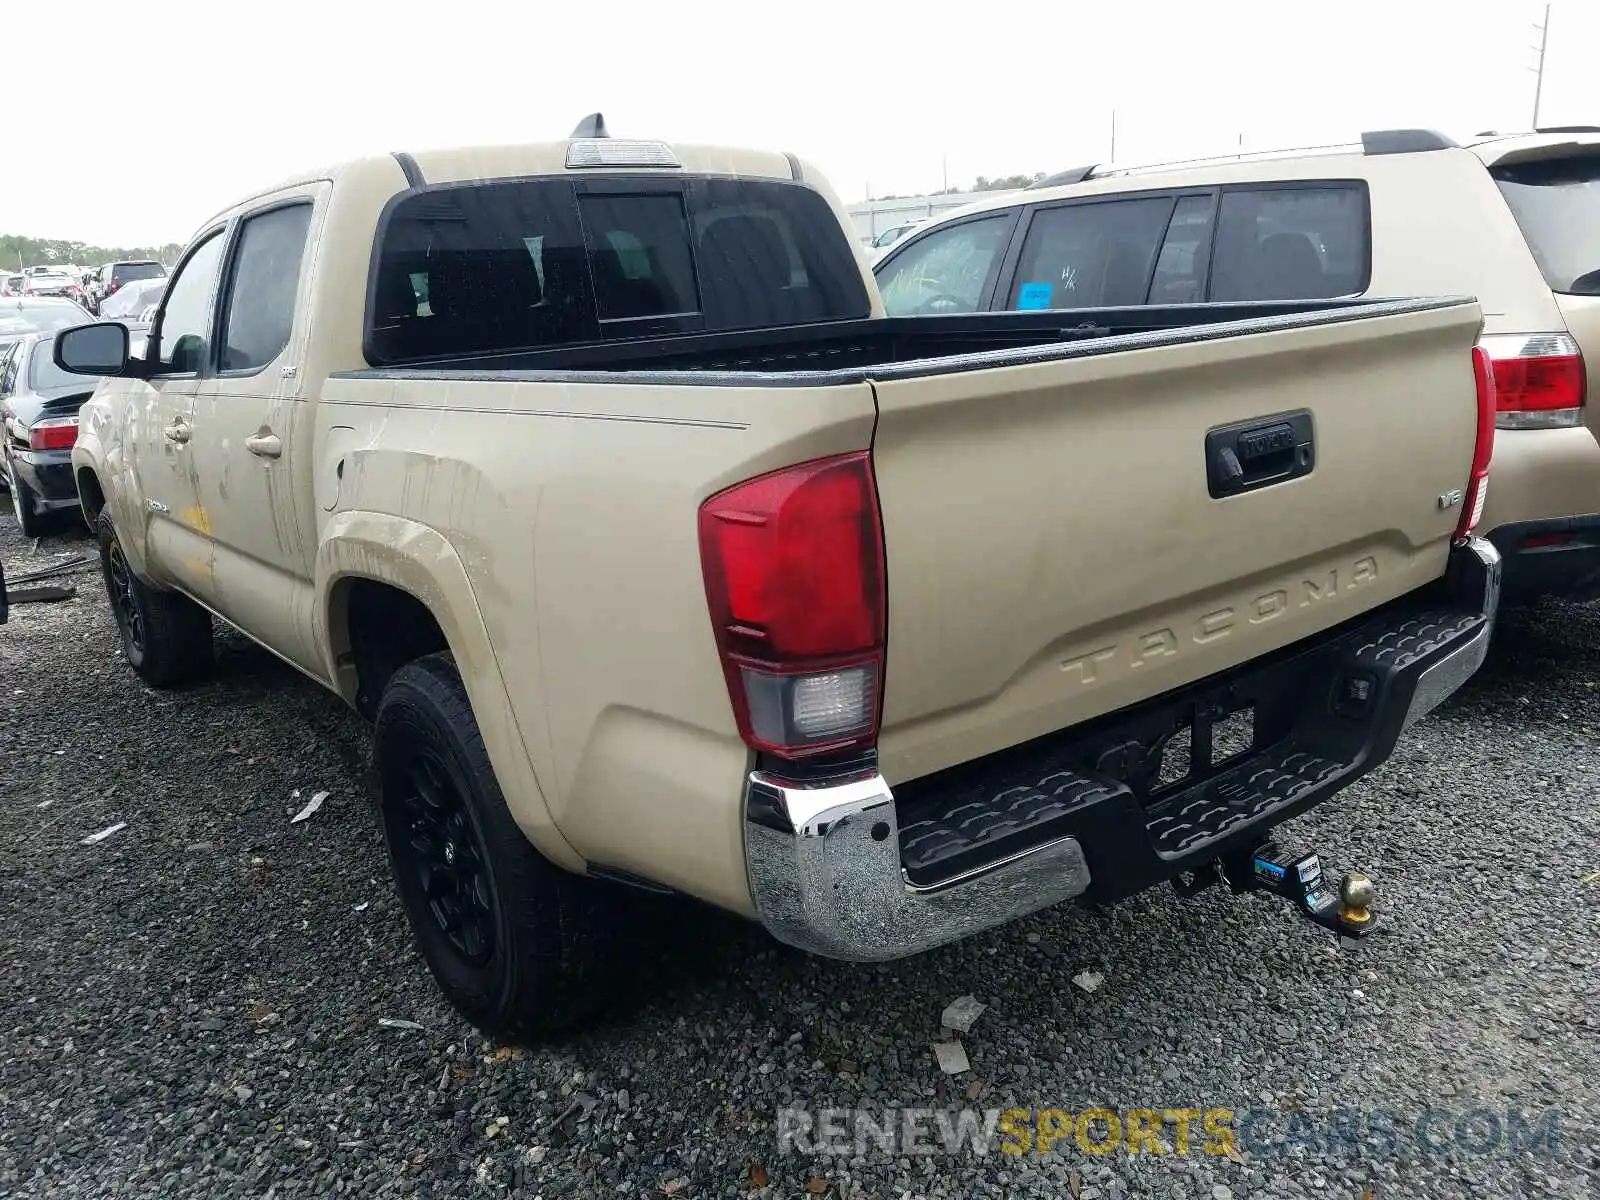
[{"x": 1069, "y": 537}]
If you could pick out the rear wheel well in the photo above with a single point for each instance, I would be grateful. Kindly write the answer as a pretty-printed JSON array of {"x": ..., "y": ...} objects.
[
  {"x": 90, "y": 496},
  {"x": 385, "y": 629}
]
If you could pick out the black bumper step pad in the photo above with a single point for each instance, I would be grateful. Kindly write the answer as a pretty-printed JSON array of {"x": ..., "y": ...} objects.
[
  {"x": 983, "y": 826},
  {"x": 1397, "y": 647},
  {"x": 1323, "y": 713},
  {"x": 1238, "y": 798}
]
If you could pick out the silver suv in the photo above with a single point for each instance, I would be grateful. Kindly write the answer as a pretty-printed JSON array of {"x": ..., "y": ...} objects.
[{"x": 1513, "y": 219}]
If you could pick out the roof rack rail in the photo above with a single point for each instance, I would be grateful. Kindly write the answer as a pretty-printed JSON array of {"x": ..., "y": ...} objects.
[
  {"x": 1070, "y": 175},
  {"x": 592, "y": 126},
  {"x": 1404, "y": 141},
  {"x": 1568, "y": 129}
]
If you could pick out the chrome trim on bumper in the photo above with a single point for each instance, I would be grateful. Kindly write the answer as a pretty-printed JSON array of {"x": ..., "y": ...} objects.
[
  {"x": 1440, "y": 680},
  {"x": 824, "y": 865}
]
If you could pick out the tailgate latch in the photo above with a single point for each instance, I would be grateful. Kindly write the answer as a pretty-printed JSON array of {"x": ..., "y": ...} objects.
[{"x": 1259, "y": 453}]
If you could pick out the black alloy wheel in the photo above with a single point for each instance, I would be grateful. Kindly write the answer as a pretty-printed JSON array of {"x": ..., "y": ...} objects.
[
  {"x": 124, "y": 607},
  {"x": 165, "y": 635},
  {"x": 446, "y": 857}
]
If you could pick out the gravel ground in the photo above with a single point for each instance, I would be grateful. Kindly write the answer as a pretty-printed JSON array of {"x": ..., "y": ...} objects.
[{"x": 191, "y": 1005}]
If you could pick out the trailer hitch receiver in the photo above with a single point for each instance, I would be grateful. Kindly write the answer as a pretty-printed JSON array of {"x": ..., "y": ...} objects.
[{"x": 1301, "y": 880}]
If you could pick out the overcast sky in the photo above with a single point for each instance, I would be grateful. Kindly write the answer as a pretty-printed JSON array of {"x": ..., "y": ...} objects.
[{"x": 152, "y": 114}]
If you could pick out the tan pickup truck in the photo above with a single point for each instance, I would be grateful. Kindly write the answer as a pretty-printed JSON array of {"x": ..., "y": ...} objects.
[{"x": 593, "y": 474}]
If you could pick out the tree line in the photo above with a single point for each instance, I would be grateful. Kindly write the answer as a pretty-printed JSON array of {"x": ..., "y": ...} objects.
[
  {"x": 17, "y": 252},
  {"x": 1006, "y": 183}
]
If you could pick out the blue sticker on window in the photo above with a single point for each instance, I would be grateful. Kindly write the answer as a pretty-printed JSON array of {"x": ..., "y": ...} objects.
[{"x": 1035, "y": 295}]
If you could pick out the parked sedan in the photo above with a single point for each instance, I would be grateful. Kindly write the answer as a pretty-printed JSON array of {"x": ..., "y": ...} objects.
[
  {"x": 39, "y": 405},
  {"x": 54, "y": 283},
  {"x": 39, "y": 314}
]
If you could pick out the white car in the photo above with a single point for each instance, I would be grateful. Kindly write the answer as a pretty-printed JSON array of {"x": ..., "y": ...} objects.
[
  {"x": 53, "y": 283},
  {"x": 880, "y": 245},
  {"x": 134, "y": 299}
]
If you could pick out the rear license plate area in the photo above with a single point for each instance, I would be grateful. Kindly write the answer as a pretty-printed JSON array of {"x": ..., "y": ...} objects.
[{"x": 1203, "y": 745}]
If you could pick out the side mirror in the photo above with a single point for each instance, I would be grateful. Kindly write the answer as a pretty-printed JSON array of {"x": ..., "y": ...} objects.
[{"x": 93, "y": 349}]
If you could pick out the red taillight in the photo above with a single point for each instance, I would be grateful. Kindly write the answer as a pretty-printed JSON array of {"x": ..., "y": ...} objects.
[
  {"x": 111, "y": 286},
  {"x": 794, "y": 577},
  {"x": 1539, "y": 380},
  {"x": 1483, "y": 374},
  {"x": 53, "y": 433}
]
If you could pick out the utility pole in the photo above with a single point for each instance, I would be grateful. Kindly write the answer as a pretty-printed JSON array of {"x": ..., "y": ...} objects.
[
  {"x": 1538, "y": 83},
  {"x": 1113, "y": 157}
]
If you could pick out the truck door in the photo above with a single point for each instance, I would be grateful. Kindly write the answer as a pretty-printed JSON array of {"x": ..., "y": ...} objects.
[
  {"x": 254, "y": 479},
  {"x": 162, "y": 415}
]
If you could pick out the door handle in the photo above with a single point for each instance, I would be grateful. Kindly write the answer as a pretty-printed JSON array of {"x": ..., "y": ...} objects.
[
  {"x": 264, "y": 445},
  {"x": 177, "y": 432}
]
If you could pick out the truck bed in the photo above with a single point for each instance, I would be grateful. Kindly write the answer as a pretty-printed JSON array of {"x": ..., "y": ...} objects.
[{"x": 901, "y": 347}]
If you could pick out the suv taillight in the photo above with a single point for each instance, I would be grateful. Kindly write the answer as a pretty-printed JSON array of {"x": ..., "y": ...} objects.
[
  {"x": 111, "y": 286},
  {"x": 53, "y": 433},
  {"x": 1539, "y": 379},
  {"x": 794, "y": 576}
]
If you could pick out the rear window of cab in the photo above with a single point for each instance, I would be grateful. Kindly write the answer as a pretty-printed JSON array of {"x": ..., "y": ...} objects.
[{"x": 517, "y": 265}]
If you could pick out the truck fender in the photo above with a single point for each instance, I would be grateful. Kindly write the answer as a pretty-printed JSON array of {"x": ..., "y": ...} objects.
[
  {"x": 119, "y": 489},
  {"x": 418, "y": 560}
]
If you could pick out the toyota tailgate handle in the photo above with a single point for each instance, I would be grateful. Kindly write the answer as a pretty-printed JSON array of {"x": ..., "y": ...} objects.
[{"x": 1258, "y": 453}]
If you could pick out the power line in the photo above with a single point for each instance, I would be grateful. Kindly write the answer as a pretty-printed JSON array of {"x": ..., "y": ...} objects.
[{"x": 1538, "y": 83}]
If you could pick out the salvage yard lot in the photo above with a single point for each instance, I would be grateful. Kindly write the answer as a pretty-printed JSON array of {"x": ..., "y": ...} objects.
[{"x": 192, "y": 1005}]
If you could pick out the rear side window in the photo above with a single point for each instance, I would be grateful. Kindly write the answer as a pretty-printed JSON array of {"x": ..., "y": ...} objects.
[
  {"x": 262, "y": 287},
  {"x": 1091, "y": 255},
  {"x": 1557, "y": 205},
  {"x": 944, "y": 271},
  {"x": 44, "y": 374},
  {"x": 1291, "y": 243},
  {"x": 533, "y": 264}
]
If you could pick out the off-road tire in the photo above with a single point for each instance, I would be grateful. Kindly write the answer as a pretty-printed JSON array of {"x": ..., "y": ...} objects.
[
  {"x": 171, "y": 642},
  {"x": 557, "y": 942}
]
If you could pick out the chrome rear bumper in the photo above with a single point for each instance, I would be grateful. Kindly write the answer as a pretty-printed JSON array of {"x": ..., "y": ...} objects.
[{"x": 825, "y": 871}]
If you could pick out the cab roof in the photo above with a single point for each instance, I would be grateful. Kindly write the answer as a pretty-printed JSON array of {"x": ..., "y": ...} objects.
[{"x": 519, "y": 160}]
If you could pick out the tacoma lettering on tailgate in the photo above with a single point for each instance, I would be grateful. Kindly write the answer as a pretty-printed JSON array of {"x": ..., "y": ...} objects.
[{"x": 1143, "y": 649}]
